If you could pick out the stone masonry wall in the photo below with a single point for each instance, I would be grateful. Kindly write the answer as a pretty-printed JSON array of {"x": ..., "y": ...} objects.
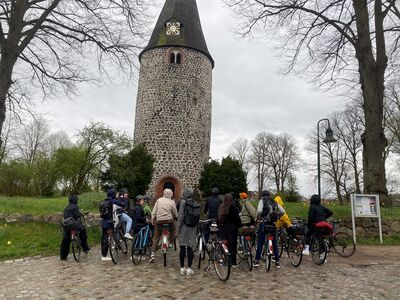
[{"x": 173, "y": 113}]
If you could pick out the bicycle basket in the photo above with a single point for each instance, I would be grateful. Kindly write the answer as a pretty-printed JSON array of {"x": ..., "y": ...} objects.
[
  {"x": 246, "y": 231},
  {"x": 295, "y": 230}
]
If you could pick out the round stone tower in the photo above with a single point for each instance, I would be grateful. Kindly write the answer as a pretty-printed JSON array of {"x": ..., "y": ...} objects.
[{"x": 173, "y": 106}]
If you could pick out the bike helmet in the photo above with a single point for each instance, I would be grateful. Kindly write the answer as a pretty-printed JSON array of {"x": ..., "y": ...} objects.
[{"x": 214, "y": 191}]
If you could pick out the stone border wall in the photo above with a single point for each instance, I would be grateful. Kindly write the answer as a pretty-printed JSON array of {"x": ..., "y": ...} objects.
[{"x": 365, "y": 227}]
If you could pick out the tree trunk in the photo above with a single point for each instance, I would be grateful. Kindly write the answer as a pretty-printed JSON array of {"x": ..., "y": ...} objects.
[{"x": 372, "y": 85}]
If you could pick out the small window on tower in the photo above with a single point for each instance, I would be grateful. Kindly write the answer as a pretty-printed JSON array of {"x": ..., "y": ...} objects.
[{"x": 175, "y": 57}]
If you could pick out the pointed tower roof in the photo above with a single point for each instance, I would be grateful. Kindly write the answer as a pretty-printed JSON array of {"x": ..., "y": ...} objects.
[{"x": 191, "y": 35}]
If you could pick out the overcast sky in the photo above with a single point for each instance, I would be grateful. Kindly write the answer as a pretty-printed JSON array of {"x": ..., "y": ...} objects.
[{"x": 249, "y": 94}]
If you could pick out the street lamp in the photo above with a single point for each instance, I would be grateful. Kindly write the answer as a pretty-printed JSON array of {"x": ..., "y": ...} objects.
[{"x": 327, "y": 140}]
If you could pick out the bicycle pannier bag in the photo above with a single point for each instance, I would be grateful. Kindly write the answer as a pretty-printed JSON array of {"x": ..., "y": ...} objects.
[{"x": 191, "y": 212}]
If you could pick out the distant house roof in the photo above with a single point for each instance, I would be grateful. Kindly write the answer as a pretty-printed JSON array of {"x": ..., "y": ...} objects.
[{"x": 191, "y": 35}]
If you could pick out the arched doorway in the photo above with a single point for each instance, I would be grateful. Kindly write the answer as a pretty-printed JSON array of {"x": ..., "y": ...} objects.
[{"x": 169, "y": 182}]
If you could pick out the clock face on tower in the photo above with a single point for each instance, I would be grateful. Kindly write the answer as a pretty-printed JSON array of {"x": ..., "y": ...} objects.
[{"x": 173, "y": 28}]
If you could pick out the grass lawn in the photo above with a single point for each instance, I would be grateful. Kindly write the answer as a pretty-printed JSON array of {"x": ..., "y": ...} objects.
[
  {"x": 18, "y": 240},
  {"x": 47, "y": 206}
]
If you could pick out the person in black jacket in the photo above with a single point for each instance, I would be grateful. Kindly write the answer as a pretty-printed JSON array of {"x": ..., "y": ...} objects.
[
  {"x": 72, "y": 210},
  {"x": 229, "y": 223},
  {"x": 211, "y": 209},
  {"x": 138, "y": 215},
  {"x": 316, "y": 213}
]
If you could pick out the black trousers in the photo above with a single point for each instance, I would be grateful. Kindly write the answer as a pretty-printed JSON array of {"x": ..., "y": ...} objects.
[
  {"x": 104, "y": 240},
  {"x": 66, "y": 241},
  {"x": 182, "y": 255},
  {"x": 229, "y": 232}
]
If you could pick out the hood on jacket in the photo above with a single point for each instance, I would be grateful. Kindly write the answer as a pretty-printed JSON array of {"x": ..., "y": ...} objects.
[
  {"x": 111, "y": 193},
  {"x": 168, "y": 193},
  {"x": 187, "y": 193},
  {"x": 279, "y": 200},
  {"x": 315, "y": 200},
  {"x": 73, "y": 199}
]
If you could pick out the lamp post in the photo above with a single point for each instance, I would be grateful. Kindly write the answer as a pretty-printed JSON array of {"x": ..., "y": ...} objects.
[{"x": 327, "y": 140}]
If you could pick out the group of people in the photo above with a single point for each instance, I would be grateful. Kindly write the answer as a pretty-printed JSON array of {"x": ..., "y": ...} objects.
[{"x": 231, "y": 215}]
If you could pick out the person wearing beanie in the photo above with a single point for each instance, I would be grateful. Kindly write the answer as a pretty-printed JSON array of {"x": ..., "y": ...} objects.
[
  {"x": 316, "y": 213},
  {"x": 248, "y": 213},
  {"x": 72, "y": 211}
]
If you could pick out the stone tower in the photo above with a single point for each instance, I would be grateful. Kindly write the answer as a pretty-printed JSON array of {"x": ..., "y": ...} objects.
[{"x": 173, "y": 105}]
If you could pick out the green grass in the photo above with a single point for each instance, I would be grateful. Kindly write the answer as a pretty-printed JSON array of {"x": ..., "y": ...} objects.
[
  {"x": 47, "y": 206},
  {"x": 339, "y": 211},
  {"x": 387, "y": 240},
  {"x": 18, "y": 240}
]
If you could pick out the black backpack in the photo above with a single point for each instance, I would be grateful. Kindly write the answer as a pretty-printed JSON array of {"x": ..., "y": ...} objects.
[
  {"x": 105, "y": 209},
  {"x": 191, "y": 213},
  {"x": 270, "y": 211}
]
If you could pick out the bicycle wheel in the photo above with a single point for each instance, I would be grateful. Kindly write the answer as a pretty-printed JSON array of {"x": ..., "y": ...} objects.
[
  {"x": 295, "y": 251},
  {"x": 113, "y": 249},
  {"x": 122, "y": 243},
  {"x": 281, "y": 242},
  {"x": 343, "y": 244},
  {"x": 76, "y": 249},
  {"x": 318, "y": 250},
  {"x": 202, "y": 251},
  {"x": 221, "y": 262},
  {"x": 136, "y": 252},
  {"x": 248, "y": 254},
  {"x": 268, "y": 261},
  {"x": 165, "y": 258}
]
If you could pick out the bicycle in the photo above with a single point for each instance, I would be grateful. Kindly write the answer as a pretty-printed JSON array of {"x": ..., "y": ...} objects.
[
  {"x": 116, "y": 240},
  {"x": 269, "y": 251},
  {"x": 246, "y": 234},
  {"x": 165, "y": 239},
  {"x": 326, "y": 237},
  {"x": 73, "y": 226},
  {"x": 200, "y": 240},
  {"x": 218, "y": 255},
  {"x": 141, "y": 244}
]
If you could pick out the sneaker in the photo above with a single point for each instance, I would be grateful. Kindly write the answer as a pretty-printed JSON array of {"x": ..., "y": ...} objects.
[
  {"x": 128, "y": 236},
  {"x": 105, "y": 258},
  {"x": 235, "y": 265},
  {"x": 256, "y": 264},
  {"x": 277, "y": 265},
  {"x": 189, "y": 272},
  {"x": 152, "y": 257},
  {"x": 306, "y": 252},
  {"x": 87, "y": 250},
  {"x": 183, "y": 271}
]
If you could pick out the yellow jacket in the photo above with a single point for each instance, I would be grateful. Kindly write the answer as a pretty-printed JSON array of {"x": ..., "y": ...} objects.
[{"x": 284, "y": 220}]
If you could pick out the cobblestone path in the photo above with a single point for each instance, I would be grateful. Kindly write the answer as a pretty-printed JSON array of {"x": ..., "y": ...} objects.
[{"x": 372, "y": 273}]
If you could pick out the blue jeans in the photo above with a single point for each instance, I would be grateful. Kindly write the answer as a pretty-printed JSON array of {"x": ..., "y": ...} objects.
[
  {"x": 261, "y": 241},
  {"x": 127, "y": 219}
]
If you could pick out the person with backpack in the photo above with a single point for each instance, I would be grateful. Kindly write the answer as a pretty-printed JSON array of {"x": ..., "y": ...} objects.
[
  {"x": 164, "y": 212},
  {"x": 211, "y": 210},
  {"x": 268, "y": 211},
  {"x": 105, "y": 209},
  {"x": 229, "y": 223},
  {"x": 316, "y": 213},
  {"x": 72, "y": 211},
  {"x": 248, "y": 213},
  {"x": 188, "y": 219}
]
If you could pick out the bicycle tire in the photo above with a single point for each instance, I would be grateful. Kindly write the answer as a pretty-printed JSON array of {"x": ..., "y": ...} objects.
[
  {"x": 76, "y": 249},
  {"x": 202, "y": 252},
  {"x": 222, "y": 263},
  {"x": 165, "y": 258},
  {"x": 249, "y": 255},
  {"x": 122, "y": 243},
  {"x": 281, "y": 242},
  {"x": 136, "y": 252},
  {"x": 318, "y": 250},
  {"x": 295, "y": 252},
  {"x": 343, "y": 244},
  {"x": 113, "y": 247},
  {"x": 268, "y": 262}
]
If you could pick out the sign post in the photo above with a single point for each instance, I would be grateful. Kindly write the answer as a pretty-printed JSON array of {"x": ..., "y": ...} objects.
[{"x": 365, "y": 206}]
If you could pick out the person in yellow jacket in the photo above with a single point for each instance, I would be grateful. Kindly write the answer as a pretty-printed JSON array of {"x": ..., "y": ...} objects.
[{"x": 284, "y": 220}]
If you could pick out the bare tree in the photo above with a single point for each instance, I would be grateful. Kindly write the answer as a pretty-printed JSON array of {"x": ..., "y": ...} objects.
[
  {"x": 7, "y": 135},
  {"x": 281, "y": 159},
  {"x": 240, "y": 151},
  {"x": 258, "y": 153},
  {"x": 338, "y": 41},
  {"x": 53, "y": 45},
  {"x": 31, "y": 138},
  {"x": 56, "y": 141}
]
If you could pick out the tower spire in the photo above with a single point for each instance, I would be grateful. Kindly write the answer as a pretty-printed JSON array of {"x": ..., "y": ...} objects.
[{"x": 183, "y": 13}]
